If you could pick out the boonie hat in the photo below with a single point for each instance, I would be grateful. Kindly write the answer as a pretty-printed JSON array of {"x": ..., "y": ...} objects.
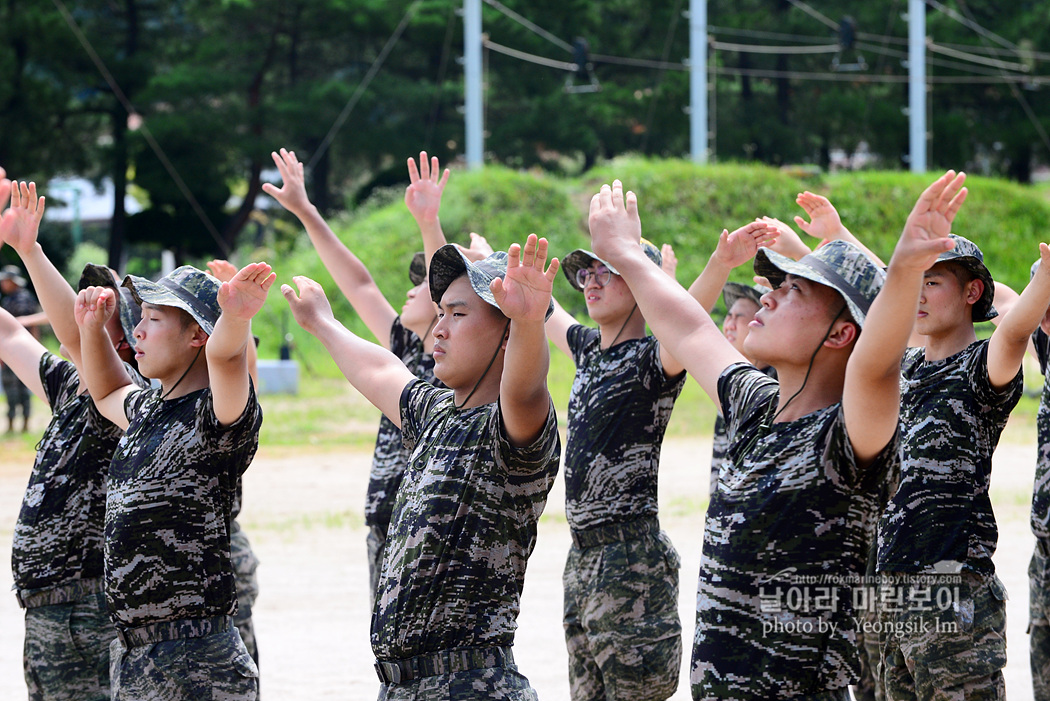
[
  {"x": 417, "y": 269},
  {"x": 448, "y": 264},
  {"x": 839, "y": 265},
  {"x": 128, "y": 309},
  {"x": 186, "y": 288},
  {"x": 732, "y": 291},
  {"x": 580, "y": 258},
  {"x": 968, "y": 255},
  {"x": 14, "y": 274}
]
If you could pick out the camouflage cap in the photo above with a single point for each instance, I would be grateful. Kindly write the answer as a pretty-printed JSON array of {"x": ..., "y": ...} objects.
[
  {"x": 417, "y": 269},
  {"x": 186, "y": 288},
  {"x": 839, "y": 265},
  {"x": 580, "y": 259},
  {"x": 968, "y": 255},
  {"x": 128, "y": 309},
  {"x": 732, "y": 291},
  {"x": 14, "y": 274},
  {"x": 449, "y": 263}
]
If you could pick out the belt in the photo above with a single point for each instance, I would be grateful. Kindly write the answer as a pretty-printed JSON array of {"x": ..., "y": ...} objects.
[
  {"x": 615, "y": 532},
  {"x": 59, "y": 594},
  {"x": 171, "y": 630},
  {"x": 443, "y": 662}
]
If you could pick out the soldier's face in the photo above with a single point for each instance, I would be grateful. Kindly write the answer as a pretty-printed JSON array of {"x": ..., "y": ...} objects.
[
  {"x": 944, "y": 300},
  {"x": 735, "y": 325},
  {"x": 164, "y": 343},
  {"x": 467, "y": 333},
  {"x": 609, "y": 303},
  {"x": 419, "y": 310},
  {"x": 791, "y": 323}
]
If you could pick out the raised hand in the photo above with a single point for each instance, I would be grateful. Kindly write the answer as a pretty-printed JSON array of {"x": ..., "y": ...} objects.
[
  {"x": 525, "y": 293},
  {"x": 94, "y": 307},
  {"x": 222, "y": 270},
  {"x": 243, "y": 296},
  {"x": 739, "y": 247},
  {"x": 824, "y": 221},
  {"x": 479, "y": 248},
  {"x": 788, "y": 242},
  {"x": 614, "y": 223},
  {"x": 21, "y": 222},
  {"x": 925, "y": 234},
  {"x": 423, "y": 195},
  {"x": 5, "y": 189},
  {"x": 292, "y": 193},
  {"x": 310, "y": 307},
  {"x": 669, "y": 261}
]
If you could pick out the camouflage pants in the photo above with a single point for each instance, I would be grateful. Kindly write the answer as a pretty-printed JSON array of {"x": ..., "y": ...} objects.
[
  {"x": 18, "y": 395},
  {"x": 244, "y": 566},
  {"x": 621, "y": 619},
  {"x": 66, "y": 654},
  {"x": 376, "y": 542},
  {"x": 495, "y": 683},
  {"x": 953, "y": 646},
  {"x": 1039, "y": 621},
  {"x": 215, "y": 667}
]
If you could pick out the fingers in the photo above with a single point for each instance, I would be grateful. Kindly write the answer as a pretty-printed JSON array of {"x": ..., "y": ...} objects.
[
  {"x": 424, "y": 166},
  {"x": 289, "y": 293},
  {"x": 413, "y": 171},
  {"x": 552, "y": 270},
  {"x": 444, "y": 177},
  {"x": 513, "y": 256}
]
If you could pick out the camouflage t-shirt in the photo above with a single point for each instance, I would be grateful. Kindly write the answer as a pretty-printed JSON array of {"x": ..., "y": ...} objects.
[
  {"x": 941, "y": 517},
  {"x": 462, "y": 529},
  {"x": 620, "y": 404},
  {"x": 58, "y": 535},
  {"x": 389, "y": 459},
  {"x": 720, "y": 439},
  {"x": 785, "y": 541},
  {"x": 1041, "y": 492},
  {"x": 169, "y": 506}
]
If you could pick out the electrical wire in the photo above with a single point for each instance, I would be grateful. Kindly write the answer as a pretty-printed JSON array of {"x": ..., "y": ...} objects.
[
  {"x": 970, "y": 23},
  {"x": 363, "y": 85},
  {"x": 540, "y": 31},
  {"x": 965, "y": 56},
  {"x": 143, "y": 128},
  {"x": 530, "y": 58},
  {"x": 815, "y": 14},
  {"x": 779, "y": 50}
]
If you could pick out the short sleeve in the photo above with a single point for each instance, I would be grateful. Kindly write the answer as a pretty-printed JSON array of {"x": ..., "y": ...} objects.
[
  {"x": 977, "y": 371},
  {"x": 532, "y": 458},
  {"x": 417, "y": 399},
  {"x": 136, "y": 401},
  {"x": 579, "y": 338},
  {"x": 59, "y": 378}
]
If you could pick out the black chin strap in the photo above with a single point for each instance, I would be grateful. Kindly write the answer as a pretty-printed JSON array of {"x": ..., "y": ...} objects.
[
  {"x": 487, "y": 368},
  {"x": 187, "y": 372},
  {"x": 624, "y": 326}
]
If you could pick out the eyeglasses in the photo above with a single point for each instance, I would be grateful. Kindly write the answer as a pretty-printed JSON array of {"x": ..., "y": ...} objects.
[{"x": 601, "y": 275}]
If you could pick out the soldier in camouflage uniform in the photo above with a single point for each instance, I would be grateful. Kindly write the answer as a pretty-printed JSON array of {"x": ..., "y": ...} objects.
[
  {"x": 1039, "y": 568},
  {"x": 17, "y": 301},
  {"x": 169, "y": 579},
  {"x": 56, "y": 556},
  {"x": 620, "y": 581},
  {"x": 942, "y": 608},
  {"x": 406, "y": 335},
  {"x": 785, "y": 537},
  {"x": 484, "y": 455}
]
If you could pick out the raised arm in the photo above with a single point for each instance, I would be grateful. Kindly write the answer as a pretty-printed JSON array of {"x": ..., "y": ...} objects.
[
  {"x": 227, "y": 349},
  {"x": 732, "y": 250},
  {"x": 788, "y": 242},
  {"x": 1010, "y": 339},
  {"x": 102, "y": 370},
  {"x": 18, "y": 229},
  {"x": 524, "y": 296},
  {"x": 871, "y": 392},
  {"x": 825, "y": 224},
  {"x": 349, "y": 273},
  {"x": 21, "y": 353},
  {"x": 375, "y": 372},
  {"x": 678, "y": 320},
  {"x": 224, "y": 271},
  {"x": 423, "y": 199},
  {"x": 557, "y": 328}
]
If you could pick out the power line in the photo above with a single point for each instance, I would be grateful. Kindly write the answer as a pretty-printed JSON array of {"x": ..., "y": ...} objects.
[
  {"x": 530, "y": 58},
  {"x": 143, "y": 128},
  {"x": 762, "y": 49},
  {"x": 971, "y": 24},
  {"x": 815, "y": 14},
  {"x": 362, "y": 86},
  {"x": 540, "y": 31},
  {"x": 965, "y": 56}
]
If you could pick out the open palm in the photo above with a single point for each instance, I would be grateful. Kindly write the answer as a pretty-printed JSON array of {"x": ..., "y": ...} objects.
[{"x": 244, "y": 295}]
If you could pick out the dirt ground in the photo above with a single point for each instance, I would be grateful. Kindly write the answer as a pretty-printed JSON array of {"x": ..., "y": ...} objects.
[{"x": 302, "y": 514}]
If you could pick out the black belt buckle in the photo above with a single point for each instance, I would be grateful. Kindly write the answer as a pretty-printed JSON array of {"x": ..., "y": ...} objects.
[
  {"x": 21, "y": 601},
  {"x": 389, "y": 673}
]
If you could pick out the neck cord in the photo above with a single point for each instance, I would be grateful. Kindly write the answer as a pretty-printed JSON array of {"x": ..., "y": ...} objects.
[
  {"x": 168, "y": 393},
  {"x": 624, "y": 326},
  {"x": 430, "y": 328},
  {"x": 487, "y": 368}
]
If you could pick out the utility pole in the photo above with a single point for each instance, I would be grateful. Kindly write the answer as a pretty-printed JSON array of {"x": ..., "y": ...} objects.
[
  {"x": 698, "y": 80},
  {"x": 473, "y": 111},
  {"x": 917, "y": 85}
]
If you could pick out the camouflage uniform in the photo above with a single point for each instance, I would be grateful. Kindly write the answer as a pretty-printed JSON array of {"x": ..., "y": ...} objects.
[
  {"x": 720, "y": 439},
  {"x": 939, "y": 531},
  {"x": 169, "y": 576},
  {"x": 19, "y": 303},
  {"x": 621, "y": 577},
  {"x": 247, "y": 584},
  {"x": 785, "y": 541},
  {"x": 56, "y": 557},
  {"x": 389, "y": 460},
  {"x": 461, "y": 531},
  {"x": 1039, "y": 569}
]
